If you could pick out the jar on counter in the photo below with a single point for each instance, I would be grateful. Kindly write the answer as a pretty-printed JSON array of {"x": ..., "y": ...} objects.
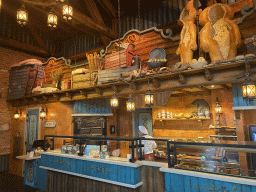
[
  {"x": 64, "y": 147},
  {"x": 69, "y": 149}
]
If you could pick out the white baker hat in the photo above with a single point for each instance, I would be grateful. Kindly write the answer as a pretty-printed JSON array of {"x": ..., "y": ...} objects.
[{"x": 143, "y": 130}]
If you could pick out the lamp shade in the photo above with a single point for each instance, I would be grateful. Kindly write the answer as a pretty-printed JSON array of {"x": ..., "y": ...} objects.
[
  {"x": 67, "y": 12},
  {"x": 149, "y": 98},
  {"x": 114, "y": 102},
  {"x": 130, "y": 105},
  {"x": 22, "y": 16},
  {"x": 52, "y": 20},
  {"x": 249, "y": 90}
]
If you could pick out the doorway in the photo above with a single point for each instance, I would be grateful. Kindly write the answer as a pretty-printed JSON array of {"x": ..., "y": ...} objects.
[
  {"x": 33, "y": 128},
  {"x": 143, "y": 117}
]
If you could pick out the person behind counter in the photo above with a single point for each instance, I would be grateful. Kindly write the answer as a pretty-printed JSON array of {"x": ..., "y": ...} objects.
[{"x": 149, "y": 145}]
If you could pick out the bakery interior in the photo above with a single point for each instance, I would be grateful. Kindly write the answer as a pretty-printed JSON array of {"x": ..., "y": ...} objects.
[{"x": 88, "y": 74}]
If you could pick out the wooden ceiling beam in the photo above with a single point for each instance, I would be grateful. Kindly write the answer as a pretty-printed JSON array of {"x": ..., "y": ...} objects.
[
  {"x": 109, "y": 8},
  {"x": 37, "y": 37},
  {"x": 225, "y": 86},
  {"x": 95, "y": 14},
  {"x": 24, "y": 46},
  {"x": 91, "y": 24}
]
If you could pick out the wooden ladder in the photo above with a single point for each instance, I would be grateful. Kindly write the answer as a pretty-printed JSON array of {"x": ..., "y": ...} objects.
[{"x": 34, "y": 75}]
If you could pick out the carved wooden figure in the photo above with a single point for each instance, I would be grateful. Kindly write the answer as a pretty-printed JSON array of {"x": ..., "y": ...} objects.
[
  {"x": 220, "y": 36},
  {"x": 188, "y": 34}
]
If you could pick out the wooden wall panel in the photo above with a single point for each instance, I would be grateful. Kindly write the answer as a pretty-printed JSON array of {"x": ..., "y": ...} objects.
[{"x": 72, "y": 183}]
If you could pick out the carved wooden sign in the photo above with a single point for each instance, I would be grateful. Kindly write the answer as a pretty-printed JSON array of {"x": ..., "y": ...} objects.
[{"x": 50, "y": 124}]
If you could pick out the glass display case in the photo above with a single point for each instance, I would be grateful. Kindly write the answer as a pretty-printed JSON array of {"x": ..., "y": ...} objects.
[{"x": 221, "y": 157}]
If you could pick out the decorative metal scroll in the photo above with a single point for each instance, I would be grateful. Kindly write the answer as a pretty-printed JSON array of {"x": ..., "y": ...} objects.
[{"x": 246, "y": 13}]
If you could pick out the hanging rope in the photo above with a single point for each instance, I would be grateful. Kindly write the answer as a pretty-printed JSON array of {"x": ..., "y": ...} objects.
[
  {"x": 139, "y": 36},
  {"x": 119, "y": 43}
]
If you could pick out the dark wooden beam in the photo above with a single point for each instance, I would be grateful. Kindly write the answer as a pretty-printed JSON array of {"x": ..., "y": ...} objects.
[
  {"x": 225, "y": 86},
  {"x": 108, "y": 7},
  {"x": 24, "y": 47},
  {"x": 91, "y": 24},
  {"x": 95, "y": 14},
  {"x": 37, "y": 37}
]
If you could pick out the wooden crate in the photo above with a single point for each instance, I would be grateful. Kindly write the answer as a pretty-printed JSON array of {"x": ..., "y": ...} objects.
[
  {"x": 119, "y": 59},
  {"x": 82, "y": 80},
  {"x": 105, "y": 76}
]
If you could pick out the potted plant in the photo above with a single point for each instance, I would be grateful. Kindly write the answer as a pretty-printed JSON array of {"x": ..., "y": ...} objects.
[{"x": 56, "y": 77}]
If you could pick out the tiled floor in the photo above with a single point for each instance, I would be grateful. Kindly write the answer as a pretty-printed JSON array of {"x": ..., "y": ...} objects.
[{"x": 14, "y": 183}]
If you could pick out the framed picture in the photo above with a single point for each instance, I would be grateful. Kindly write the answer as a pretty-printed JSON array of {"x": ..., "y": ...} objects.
[{"x": 112, "y": 129}]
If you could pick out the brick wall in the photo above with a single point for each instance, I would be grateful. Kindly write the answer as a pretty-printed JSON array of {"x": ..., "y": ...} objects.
[{"x": 7, "y": 59}]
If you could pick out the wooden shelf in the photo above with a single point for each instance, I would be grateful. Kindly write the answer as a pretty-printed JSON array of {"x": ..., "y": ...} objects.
[
  {"x": 168, "y": 80},
  {"x": 224, "y": 136},
  {"x": 223, "y": 127},
  {"x": 181, "y": 119}
]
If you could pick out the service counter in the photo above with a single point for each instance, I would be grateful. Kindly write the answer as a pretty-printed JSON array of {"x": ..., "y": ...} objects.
[
  {"x": 66, "y": 172},
  {"x": 115, "y": 170}
]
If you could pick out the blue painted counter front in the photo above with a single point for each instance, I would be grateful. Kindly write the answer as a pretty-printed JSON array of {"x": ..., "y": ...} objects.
[
  {"x": 115, "y": 173},
  {"x": 185, "y": 183},
  {"x": 35, "y": 176}
]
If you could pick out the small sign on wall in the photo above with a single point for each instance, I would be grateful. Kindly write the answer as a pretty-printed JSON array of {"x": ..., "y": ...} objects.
[
  {"x": 112, "y": 129},
  {"x": 50, "y": 124}
]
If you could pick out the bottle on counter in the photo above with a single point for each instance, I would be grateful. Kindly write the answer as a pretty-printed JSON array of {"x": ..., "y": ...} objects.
[
  {"x": 163, "y": 114},
  {"x": 64, "y": 147},
  {"x": 171, "y": 115},
  {"x": 168, "y": 114}
]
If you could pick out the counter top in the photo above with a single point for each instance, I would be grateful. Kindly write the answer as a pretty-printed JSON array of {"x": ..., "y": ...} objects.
[
  {"x": 218, "y": 177},
  {"x": 27, "y": 158},
  {"x": 111, "y": 160}
]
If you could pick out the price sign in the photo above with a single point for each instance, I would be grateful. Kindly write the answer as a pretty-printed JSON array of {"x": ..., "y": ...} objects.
[{"x": 50, "y": 124}]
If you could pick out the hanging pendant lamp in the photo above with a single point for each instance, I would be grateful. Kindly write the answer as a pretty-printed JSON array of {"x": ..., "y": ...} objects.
[
  {"x": 52, "y": 19},
  {"x": 149, "y": 97},
  {"x": 22, "y": 16},
  {"x": 67, "y": 12},
  {"x": 114, "y": 100}
]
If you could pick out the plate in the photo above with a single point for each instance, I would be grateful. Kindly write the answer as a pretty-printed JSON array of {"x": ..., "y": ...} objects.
[{"x": 157, "y": 53}]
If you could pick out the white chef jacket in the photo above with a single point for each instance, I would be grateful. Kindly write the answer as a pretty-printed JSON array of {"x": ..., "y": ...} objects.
[{"x": 149, "y": 145}]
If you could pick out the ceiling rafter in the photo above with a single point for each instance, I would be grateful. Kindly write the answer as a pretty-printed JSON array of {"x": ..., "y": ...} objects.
[
  {"x": 89, "y": 23},
  {"x": 95, "y": 14},
  {"x": 225, "y": 86},
  {"x": 108, "y": 7},
  {"x": 37, "y": 37},
  {"x": 24, "y": 46}
]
